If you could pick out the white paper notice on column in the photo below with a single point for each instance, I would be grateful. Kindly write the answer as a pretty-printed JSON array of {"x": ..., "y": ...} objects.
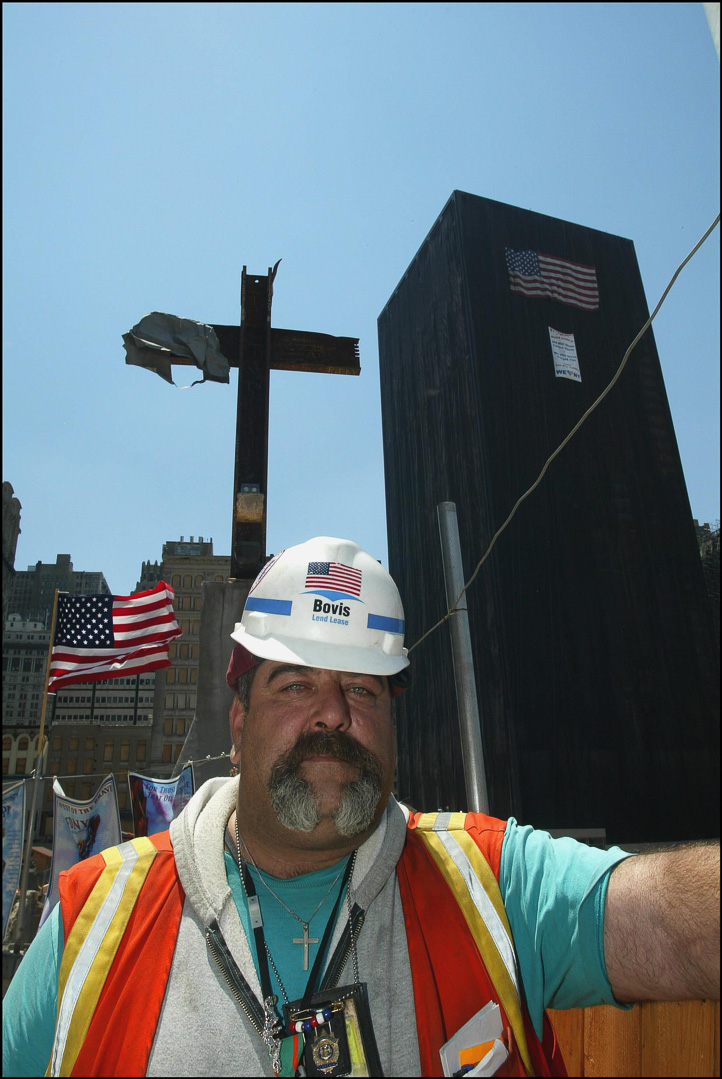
[{"x": 564, "y": 352}]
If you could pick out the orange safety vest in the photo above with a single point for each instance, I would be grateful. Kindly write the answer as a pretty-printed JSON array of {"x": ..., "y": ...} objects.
[
  {"x": 121, "y": 912},
  {"x": 461, "y": 952}
]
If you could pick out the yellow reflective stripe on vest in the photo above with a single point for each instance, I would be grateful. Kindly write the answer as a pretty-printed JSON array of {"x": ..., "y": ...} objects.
[
  {"x": 437, "y": 822},
  {"x": 92, "y": 945},
  {"x": 476, "y": 890}
]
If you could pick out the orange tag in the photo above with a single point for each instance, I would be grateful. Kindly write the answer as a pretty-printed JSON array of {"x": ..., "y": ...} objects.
[{"x": 475, "y": 1053}]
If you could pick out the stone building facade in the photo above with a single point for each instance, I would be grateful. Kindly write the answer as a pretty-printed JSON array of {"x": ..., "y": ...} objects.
[{"x": 185, "y": 565}]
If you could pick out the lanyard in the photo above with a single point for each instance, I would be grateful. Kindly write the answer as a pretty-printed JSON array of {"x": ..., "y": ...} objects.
[{"x": 254, "y": 910}]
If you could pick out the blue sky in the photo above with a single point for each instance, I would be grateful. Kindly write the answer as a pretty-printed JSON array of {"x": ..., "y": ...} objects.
[{"x": 151, "y": 150}]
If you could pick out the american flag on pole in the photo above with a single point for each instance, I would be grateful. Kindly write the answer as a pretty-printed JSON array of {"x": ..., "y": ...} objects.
[
  {"x": 534, "y": 274},
  {"x": 99, "y": 637},
  {"x": 334, "y": 576}
]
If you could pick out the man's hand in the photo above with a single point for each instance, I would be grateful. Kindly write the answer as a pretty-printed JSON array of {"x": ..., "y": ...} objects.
[{"x": 661, "y": 925}]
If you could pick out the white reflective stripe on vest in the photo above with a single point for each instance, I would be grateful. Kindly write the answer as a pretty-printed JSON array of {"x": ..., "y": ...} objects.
[
  {"x": 86, "y": 956},
  {"x": 483, "y": 904}
]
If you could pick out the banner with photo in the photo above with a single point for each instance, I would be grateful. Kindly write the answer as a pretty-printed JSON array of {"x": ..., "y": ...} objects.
[
  {"x": 13, "y": 835},
  {"x": 81, "y": 829},
  {"x": 156, "y": 802}
]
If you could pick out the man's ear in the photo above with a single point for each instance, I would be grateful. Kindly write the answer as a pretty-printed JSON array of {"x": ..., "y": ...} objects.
[{"x": 237, "y": 716}]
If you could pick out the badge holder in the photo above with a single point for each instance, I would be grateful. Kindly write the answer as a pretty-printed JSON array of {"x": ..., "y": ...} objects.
[{"x": 338, "y": 1033}]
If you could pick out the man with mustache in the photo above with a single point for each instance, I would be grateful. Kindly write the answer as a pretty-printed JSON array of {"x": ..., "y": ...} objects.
[{"x": 328, "y": 929}]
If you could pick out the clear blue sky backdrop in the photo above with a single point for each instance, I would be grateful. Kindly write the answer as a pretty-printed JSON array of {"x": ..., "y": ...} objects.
[{"x": 151, "y": 150}]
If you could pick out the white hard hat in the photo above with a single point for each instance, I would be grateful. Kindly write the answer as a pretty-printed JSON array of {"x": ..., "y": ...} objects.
[{"x": 325, "y": 603}]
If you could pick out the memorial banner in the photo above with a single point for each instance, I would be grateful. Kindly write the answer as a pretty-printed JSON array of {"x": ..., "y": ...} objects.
[
  {"x": 156, "y": 802},
  {"x": 81, "y": 829},
  {"x": 13, "y": 835}
]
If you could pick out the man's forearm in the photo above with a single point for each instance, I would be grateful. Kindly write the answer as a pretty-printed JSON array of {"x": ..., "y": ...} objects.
[{"x": 661, "y": 928}]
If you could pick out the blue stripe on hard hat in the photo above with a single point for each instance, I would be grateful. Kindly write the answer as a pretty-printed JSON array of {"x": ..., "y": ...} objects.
[
  {"x": 269, "y": 606},
  {"x": 389, "y": 625}
]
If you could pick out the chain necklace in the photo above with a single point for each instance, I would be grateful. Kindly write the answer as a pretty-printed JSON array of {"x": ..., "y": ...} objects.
[{"x": 305, "y": 940}]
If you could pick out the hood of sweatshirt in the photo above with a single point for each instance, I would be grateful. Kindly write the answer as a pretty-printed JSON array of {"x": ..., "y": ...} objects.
[{"x": 198, "y": 838}]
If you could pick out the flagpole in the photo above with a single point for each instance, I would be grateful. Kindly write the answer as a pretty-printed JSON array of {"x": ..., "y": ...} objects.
[{"x": 20, "y": 923}]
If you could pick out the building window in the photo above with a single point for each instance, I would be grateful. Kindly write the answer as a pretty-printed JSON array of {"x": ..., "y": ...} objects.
[
  {"x": 125, "y": 749},
  {"x": 180, "y": 726},
  {"x": 72, "y": 765},
  {"x": 88, "y": 765},
  {"x": 57, "y": 742},
  {"x": 20, "y": 765},
  {"x": 187, "y": 581},
  {"x": 167, "y": 726},
  {"x": 23, "y": 743},
  {"x": 140, "y": 751},
  {"x": 167, "y": 754},
  {"x": 108, "y": 751},
  {"x": 73, "y": 742},
  {"x": 177, "y": 751},
  {"x": 90, "y": 743}
]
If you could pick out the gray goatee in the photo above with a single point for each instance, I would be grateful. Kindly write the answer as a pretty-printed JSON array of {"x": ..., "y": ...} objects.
[{"x": 293, "y": 798}]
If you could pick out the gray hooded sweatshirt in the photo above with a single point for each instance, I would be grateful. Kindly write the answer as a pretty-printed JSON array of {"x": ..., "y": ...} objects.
[{"x": 202, "y": 1029}]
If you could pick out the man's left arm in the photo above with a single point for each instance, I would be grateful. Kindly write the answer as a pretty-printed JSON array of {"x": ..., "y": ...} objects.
[{"x": 662, "y": 925}]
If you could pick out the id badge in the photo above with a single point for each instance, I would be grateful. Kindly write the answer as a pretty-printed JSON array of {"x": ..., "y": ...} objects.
[{"x": 339, "y": 1036}]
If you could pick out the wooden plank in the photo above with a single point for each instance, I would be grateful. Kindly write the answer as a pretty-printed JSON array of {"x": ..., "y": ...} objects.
[
  {"x": 569, "y": 1029},
  {"x": 677, "y": 1038},
  {"x": 611, "y": 1041}
]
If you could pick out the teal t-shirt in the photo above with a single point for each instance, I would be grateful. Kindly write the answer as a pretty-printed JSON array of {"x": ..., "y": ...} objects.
[
  {"x": 303, "y": 895},
  {"x": 553, "y": 889}
]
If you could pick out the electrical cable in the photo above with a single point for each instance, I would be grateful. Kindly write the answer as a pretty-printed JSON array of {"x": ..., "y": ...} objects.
[
  {"x": 122, "y": 772},
  {"x": 571, "y": 434}
]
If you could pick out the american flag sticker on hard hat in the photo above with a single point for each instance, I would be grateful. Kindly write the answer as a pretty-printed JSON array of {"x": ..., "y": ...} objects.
[{"x": 333, "y": 579}]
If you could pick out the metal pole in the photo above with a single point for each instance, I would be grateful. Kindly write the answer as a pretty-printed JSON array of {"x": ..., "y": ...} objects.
[
  {"x": 477, "y": 797},
  {"x": 37, "y": 782}
]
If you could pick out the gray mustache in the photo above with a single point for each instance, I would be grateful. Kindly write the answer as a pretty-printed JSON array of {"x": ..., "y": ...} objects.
[{"x": 329, "y": 744}]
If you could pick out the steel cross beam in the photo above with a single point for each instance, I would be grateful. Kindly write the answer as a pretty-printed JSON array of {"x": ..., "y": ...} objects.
[{"x": 256, "y": 348}]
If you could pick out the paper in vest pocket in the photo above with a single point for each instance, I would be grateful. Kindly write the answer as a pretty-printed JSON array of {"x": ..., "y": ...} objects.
[{"x": 477, "y": 1048}]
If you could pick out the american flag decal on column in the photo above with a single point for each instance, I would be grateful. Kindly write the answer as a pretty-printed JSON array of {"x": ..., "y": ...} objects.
[{"x": 533, "y": 273}]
